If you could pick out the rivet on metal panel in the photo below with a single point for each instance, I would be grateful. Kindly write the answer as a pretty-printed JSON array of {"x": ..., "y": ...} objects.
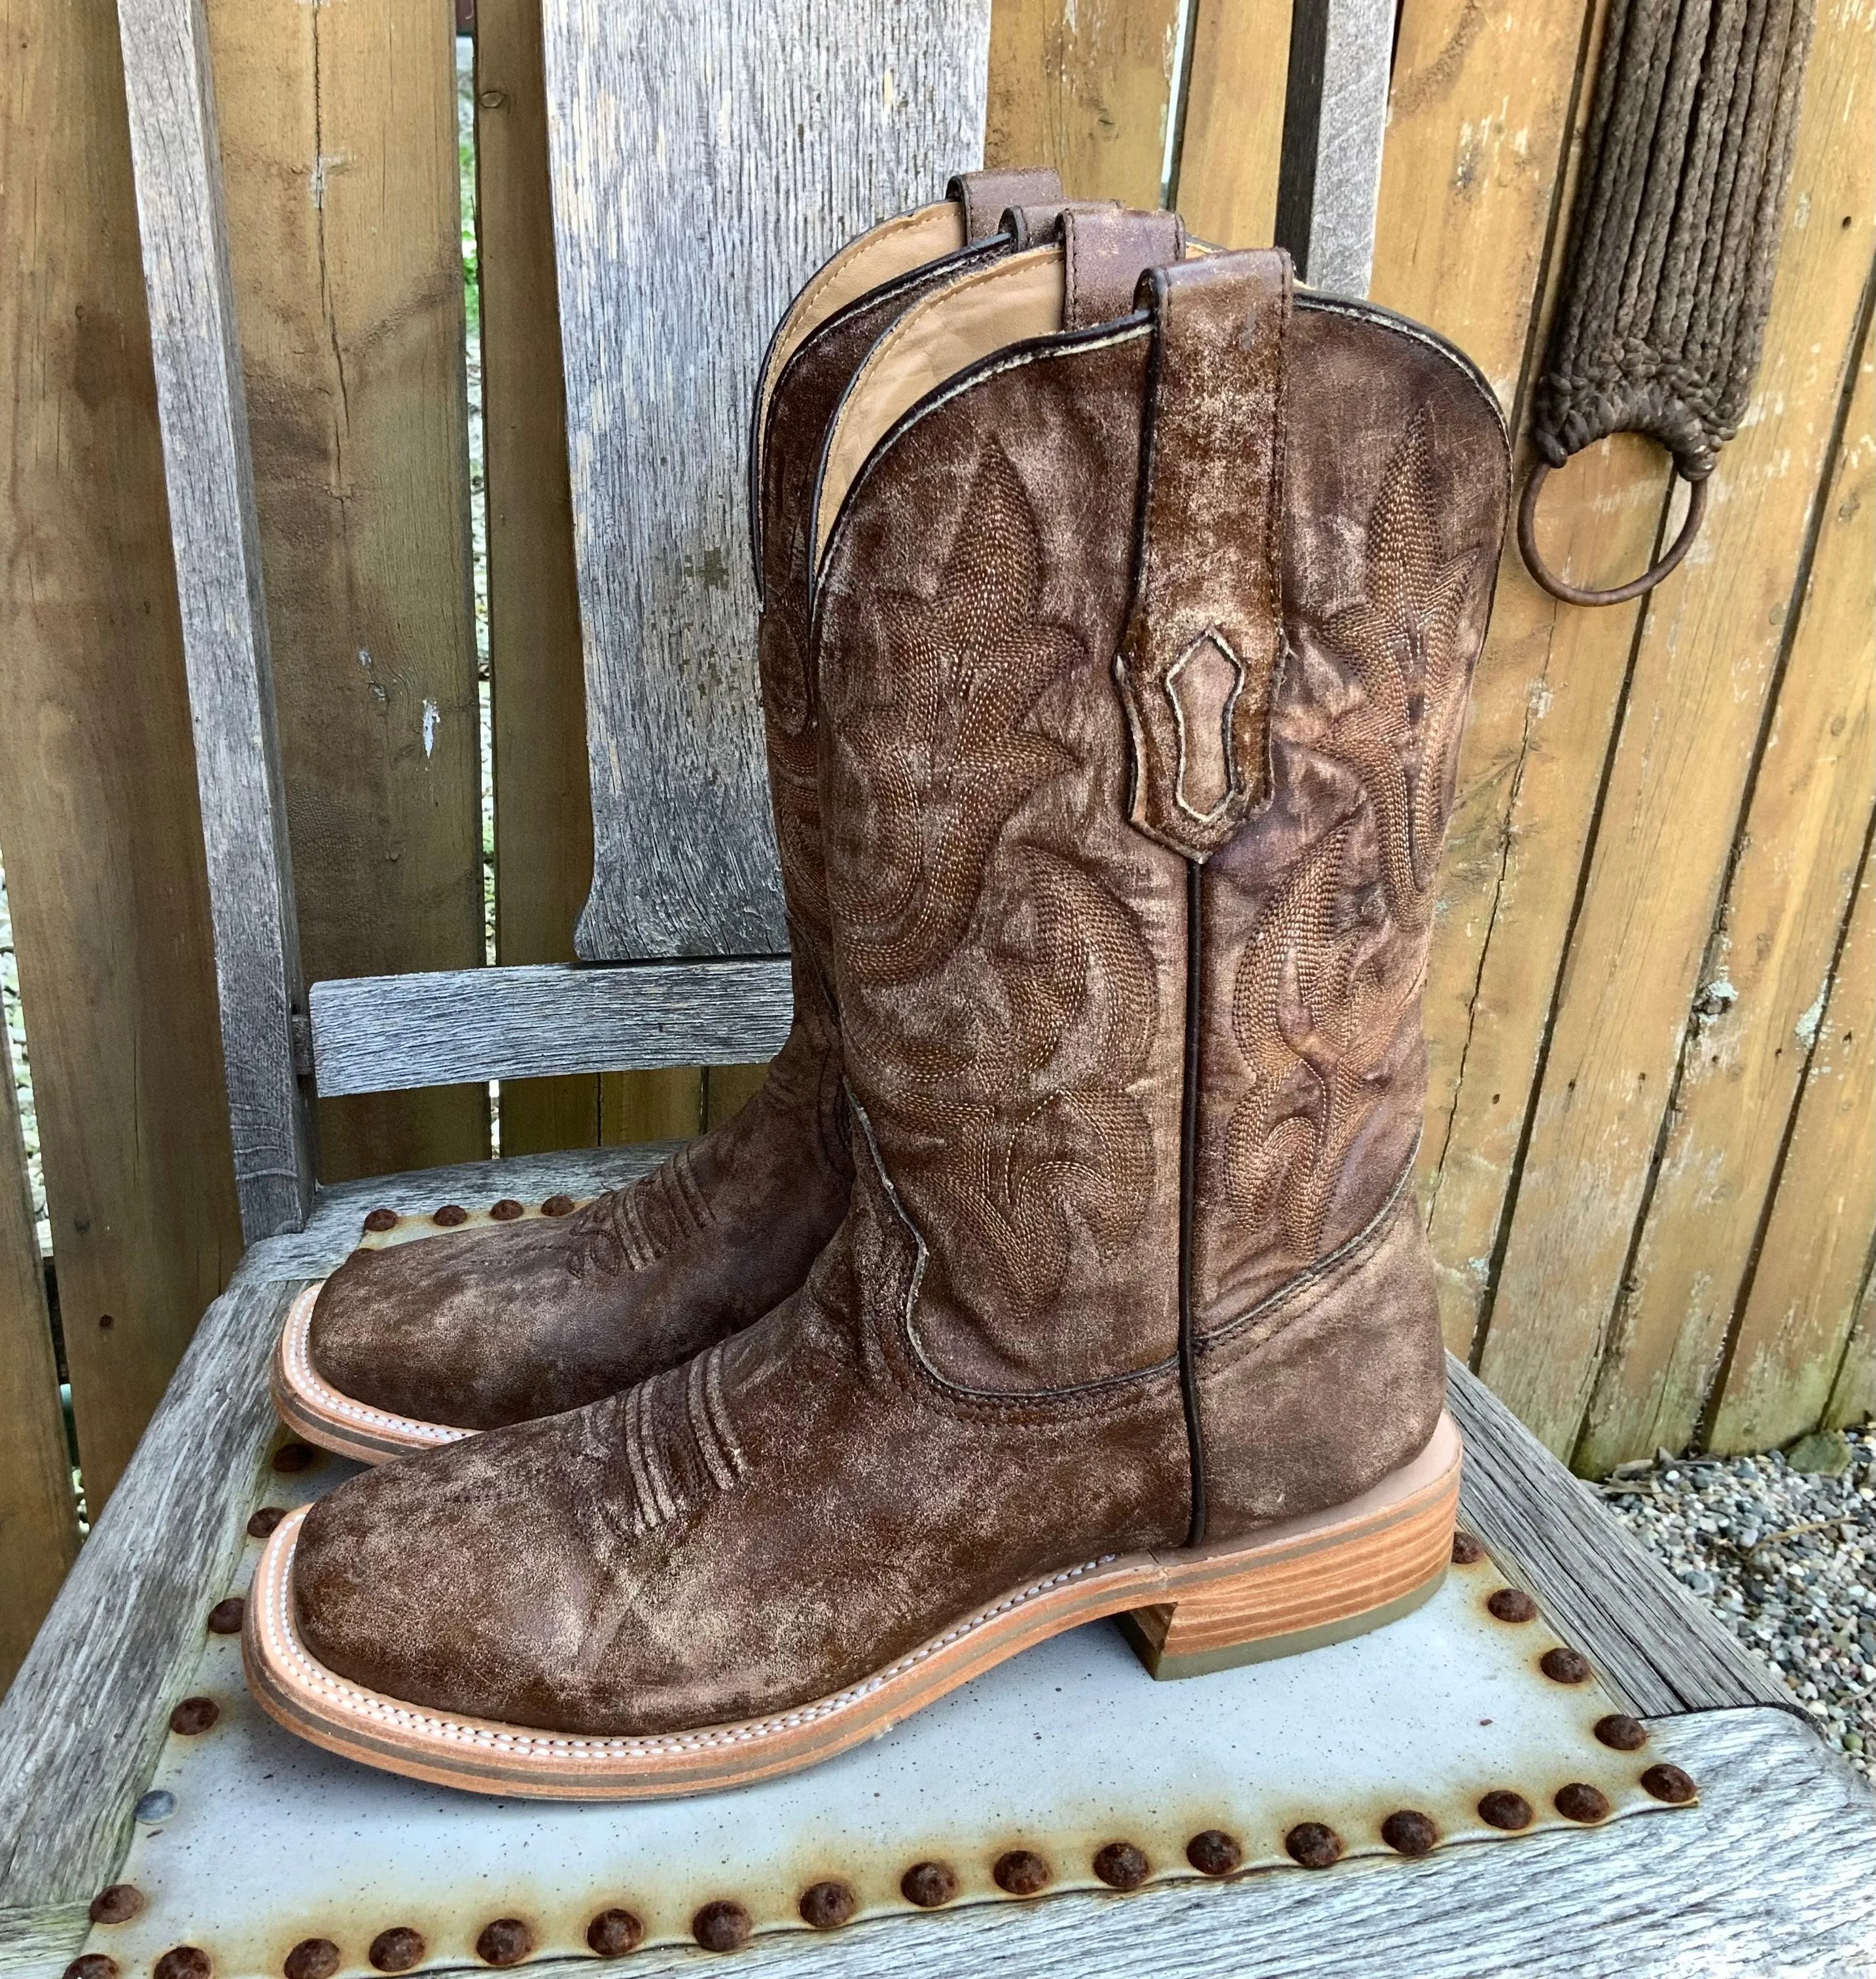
[
  {"x": 1503, "y": 1808},
  {"x": 506, "y": 1210},
  {"x": 826, "y": 1906},
  {"x": 450, "y": 1215},
  {"x": 1581, "y": 1801},
  {"x": 381, "y": 1220},
  {"x": 194, "y": 1715},
  {"x": 1409, "y": 1832},
  {"x": 262, "y": 1524},
  {"x": 93, "y": 1965},
  {"x": 117, "y": 1904},
  {"x": 1314, "y": 1843},
  {"x": 292, "y": 1456},
  {"x": 224, "y": 1619},
  {"x": 557, "y": 1205},
  {"x": 183, "y": 1961},
  {"x": 1670, "y": 1784},
  {"x": 721, "y": 1926},
  {"x": 1466, "y": 1550},
  {"x": 1624, "y": 1733},
  {"x": 1122, "y": 1866},
  {"x": 928, "y": 1885},
  {"x": 311, "y": 1958},
  {"x": 1563, "y": 1665},
  {"x": 612, "y": 1933},
  {"x": 1214, "y": 1853},
  {"x": 1512, "y": 1604},
  {"x": 505, "y": 1941},
  {"x": 157, "y": 1804},
  {"x": 1021, "y": 1871},
  {"x": 397, "y": 1949}
]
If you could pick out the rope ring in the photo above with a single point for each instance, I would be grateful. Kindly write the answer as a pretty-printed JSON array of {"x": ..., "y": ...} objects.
[{"x": 1572, "y": 594}]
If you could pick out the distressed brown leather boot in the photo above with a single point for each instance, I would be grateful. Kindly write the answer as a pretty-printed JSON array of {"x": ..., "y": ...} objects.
[
  {"x": 520, "y": 1309},
  {"x": 1143, "y": 649}
]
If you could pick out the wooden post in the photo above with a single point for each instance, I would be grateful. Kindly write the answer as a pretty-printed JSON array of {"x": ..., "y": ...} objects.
[{"x": 199, "y": 397}]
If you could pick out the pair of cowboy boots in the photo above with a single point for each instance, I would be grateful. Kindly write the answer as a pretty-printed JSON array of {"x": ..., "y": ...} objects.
[{"x": 1119, "y": 607}]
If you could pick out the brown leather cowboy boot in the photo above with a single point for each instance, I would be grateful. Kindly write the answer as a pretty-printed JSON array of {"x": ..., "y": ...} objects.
[
  {"x": 1143, "y": 649},
  {"x": 523, "y": 1309}
]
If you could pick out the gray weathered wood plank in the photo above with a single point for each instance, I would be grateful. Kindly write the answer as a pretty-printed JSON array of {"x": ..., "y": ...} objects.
[
  {"x": 385, "y": 1033},
  {"x": 1649, "y": 1639},
  {"x": 1335, "y": 119},
  {"x": 707, "y": 155},
  {"x": 203, "y": 413}
]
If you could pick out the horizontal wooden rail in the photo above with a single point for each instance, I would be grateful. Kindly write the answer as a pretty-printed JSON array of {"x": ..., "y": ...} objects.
[{"x": 390, "y": 1033}]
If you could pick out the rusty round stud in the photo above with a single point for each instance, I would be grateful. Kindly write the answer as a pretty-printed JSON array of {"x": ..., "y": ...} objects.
[
  {"x": 311, "y": 1958},
  {"x": 183, "y": 1961},
  {"x": 1466, "y": 1550},
  {"x": 1122, "y": 1866},
  {"x": 1669, "y": 1783},
  {"x": 1407, "y": 1831},
  {"x": 826, "y": 1906},
  {"x": 1563, "y": 1665},
  {"x": 192, "y": 1715},
  {"x": 558, "y": 1205},
  {"x": 261, "y": 1525},
  {"x": 224, "y": 1619},
  {"x": 378, "y": 1220},
  {"x": 1214, "y": 1853},
  {"x": 1502, "y": 1808},
  {"x": 929, "y": 1884},
  {"x": 397, "y": 1949},
  {"x": 506, "y": 1210},
  {"x": 1512, "y": 1604},
  {"x": 1314, "y": 1843},
  {"x": 614, "y": 1933},
  {"x": 93, "y": 1965},
  {"x": 1581, "y": 1801},
  {"x": 721, "y": 1926},
  {"x": 1021, "y": 1871},
  {"x": 292, "y": 1456},
  {"x": 1621, "y": 1732},
  {"x": 117, "y": 1902},
  {"x": 504, "y": 1942},
  {"x": 450, "y": 1215}
]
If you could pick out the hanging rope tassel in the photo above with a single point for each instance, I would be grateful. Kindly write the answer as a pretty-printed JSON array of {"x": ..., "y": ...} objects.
[{"x": 1672, "y": 246}]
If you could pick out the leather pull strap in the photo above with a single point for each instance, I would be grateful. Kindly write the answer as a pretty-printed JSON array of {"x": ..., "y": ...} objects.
[
  {"x": 1107, "y": 249},
  {"x": 986, "y": 196},
  {"x": 1035, "y": 225},
  {"x": 1198, "y": 663}
]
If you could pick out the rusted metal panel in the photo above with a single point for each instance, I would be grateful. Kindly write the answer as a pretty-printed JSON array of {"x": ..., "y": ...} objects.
[{"x": 1067, "y": 1769}]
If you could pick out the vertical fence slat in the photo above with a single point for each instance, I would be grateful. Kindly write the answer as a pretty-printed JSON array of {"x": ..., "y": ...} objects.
[
  {"x": 1689, "y": 728},
  {"x": 1225, "y": 180},
  {"x": 98, "y": 812},
  {"x": 1762, "y": 989},
  {"x": 38, "y": 1516},
  {"x": 339, "y": 153},
  {"x": 1085, "y": 86},
  {"x": 1789, "y": 1368}
]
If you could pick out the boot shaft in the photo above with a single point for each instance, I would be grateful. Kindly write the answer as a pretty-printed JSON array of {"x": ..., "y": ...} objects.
[{"x": 1143, "y": 651}]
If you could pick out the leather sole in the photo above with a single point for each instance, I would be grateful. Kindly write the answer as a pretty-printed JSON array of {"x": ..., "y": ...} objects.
[
  {"x": 314, "y": 1410},
  {"x": 1290, "y": 1586}
]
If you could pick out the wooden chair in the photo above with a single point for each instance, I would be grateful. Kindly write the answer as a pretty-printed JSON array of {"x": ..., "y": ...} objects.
[{"x": 681, "y": 941}]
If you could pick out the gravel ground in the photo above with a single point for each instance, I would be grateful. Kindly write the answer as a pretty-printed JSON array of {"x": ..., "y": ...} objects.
[{"x": 1784, "y": 1549}]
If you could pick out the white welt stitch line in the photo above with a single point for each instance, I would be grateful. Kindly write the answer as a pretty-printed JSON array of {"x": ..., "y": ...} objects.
[
  {"x": 311, "y": 1387},
  {"x": 283, "y": 1641}
]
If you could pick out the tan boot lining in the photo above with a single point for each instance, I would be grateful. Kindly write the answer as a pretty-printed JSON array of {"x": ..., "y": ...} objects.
[
  {"x": 935, "y": 339},
  {"x": 894, "y": 248}
]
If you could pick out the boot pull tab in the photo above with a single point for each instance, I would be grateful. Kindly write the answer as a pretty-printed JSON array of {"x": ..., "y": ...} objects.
[
  {"x": 986, "y": 196},
  {"x": 1198, "y": 666},
  {"x": 1106, "y": 249},
  {"x": 1039, "y": 224}
]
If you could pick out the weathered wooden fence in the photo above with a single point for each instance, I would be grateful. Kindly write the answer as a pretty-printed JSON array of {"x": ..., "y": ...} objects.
[{"x": 1650, "y": 1163}]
